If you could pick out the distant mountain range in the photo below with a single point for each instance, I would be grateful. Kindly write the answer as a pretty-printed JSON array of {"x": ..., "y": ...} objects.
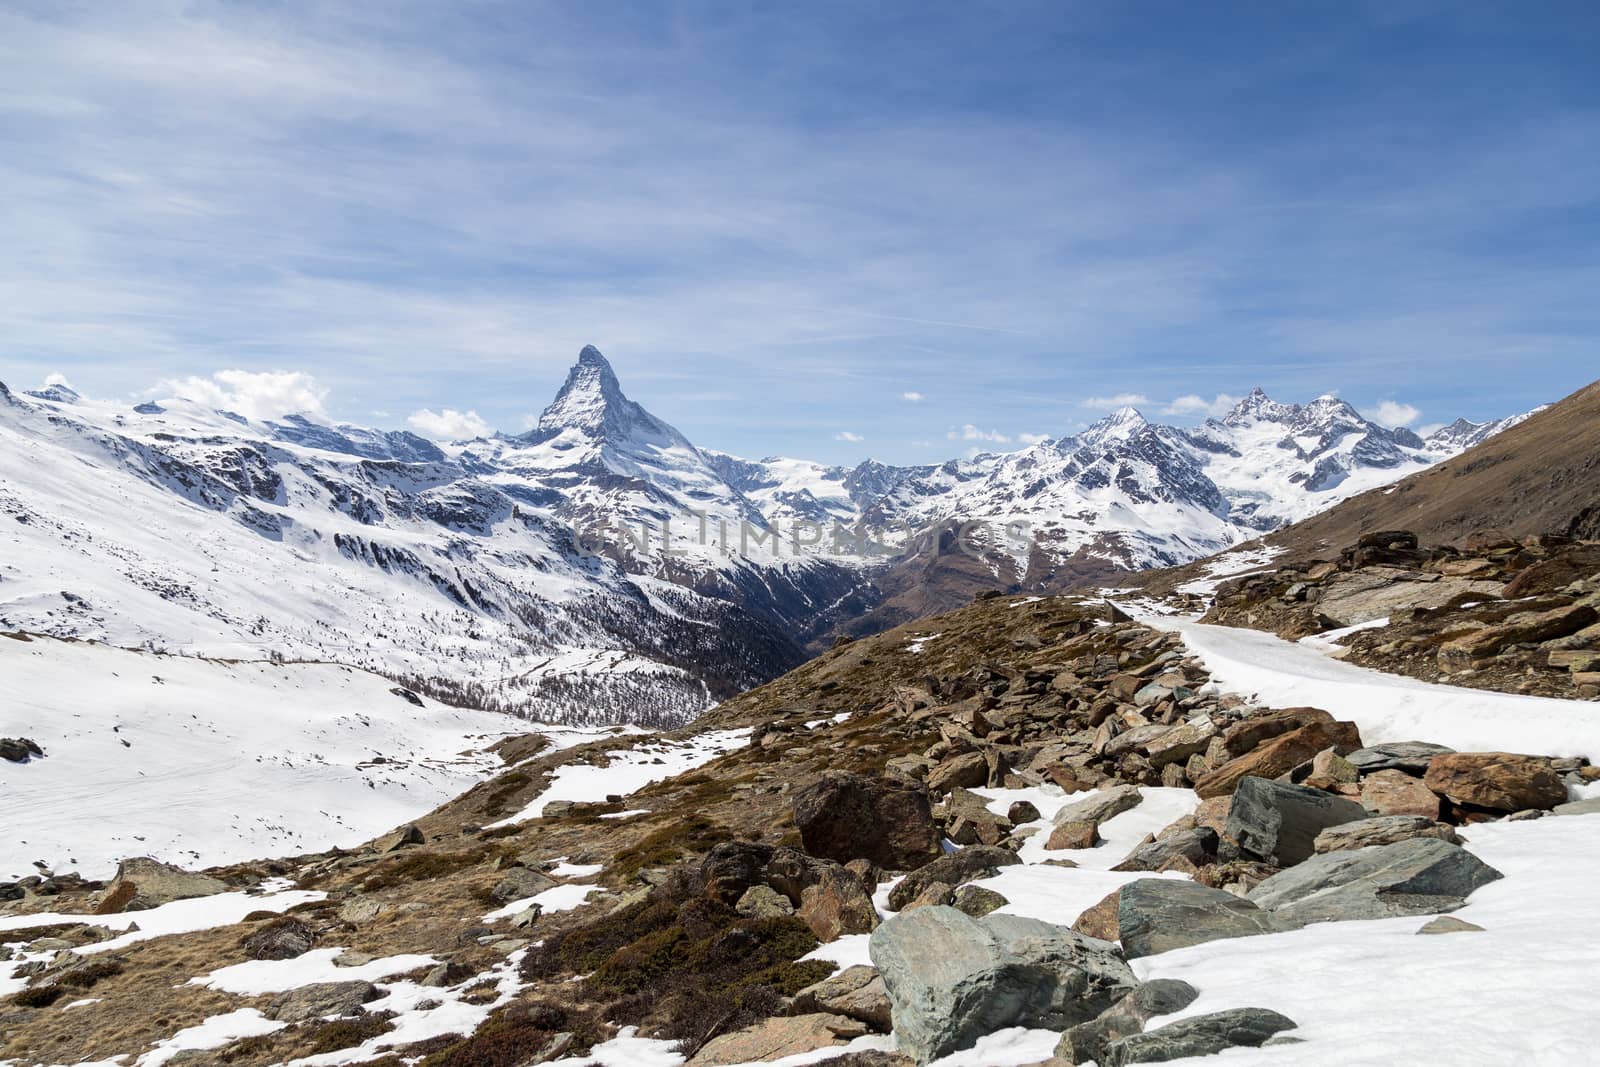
[{"x": 511, "y": 571}]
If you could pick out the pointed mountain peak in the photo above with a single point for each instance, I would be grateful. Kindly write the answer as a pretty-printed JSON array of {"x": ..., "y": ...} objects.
[
  {"x": 1120, "y": 425},
  {"x": 590, "y": 399}
]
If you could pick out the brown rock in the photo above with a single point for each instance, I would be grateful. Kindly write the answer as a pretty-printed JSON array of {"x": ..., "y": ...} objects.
[
  {"x": 1101, "y": 920},
  {"x": 1329, "y": 770},
  {"x": 932, "y": 895},
  {"x": 777, "y": 1037},
  {"x": 1080, "y": 834},
  {"x": 1281, "y": 755},
  {"x": 1500, "y": 781},
  {"x": 1213, "y": 812},
  {"x": 965, "y": 771},
  {"x": 888, "y": 821},
  {"x": 1519, "y": 629},
  {"x": 1241, "y": 737},
  {"x": 1397, "y": 793},
  {"x": 856, "y": 992},
  {"x": 837, "y": 904}
]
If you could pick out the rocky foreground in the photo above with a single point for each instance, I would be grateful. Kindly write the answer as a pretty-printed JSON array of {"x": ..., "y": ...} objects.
[{"x": 968, "y": 839}]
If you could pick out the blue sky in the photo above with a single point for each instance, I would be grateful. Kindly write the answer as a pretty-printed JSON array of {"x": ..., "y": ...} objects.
[{"x": 784, "y": 222}]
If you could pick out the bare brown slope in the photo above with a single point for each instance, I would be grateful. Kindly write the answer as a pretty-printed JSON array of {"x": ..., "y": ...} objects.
[{"x": 1538, "y": 477}]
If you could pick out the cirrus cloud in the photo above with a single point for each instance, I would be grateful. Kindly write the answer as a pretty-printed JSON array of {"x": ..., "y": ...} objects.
[
  {"x": 1111, "y": 403},
  {"x": 846, "y": 435},
  {"x": 1194, "y": 404}
]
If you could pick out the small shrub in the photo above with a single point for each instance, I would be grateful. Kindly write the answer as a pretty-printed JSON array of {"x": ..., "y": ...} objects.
[
  {"x": 422, "y": 867},
  {"x": 86, "y": 976},
  {"x": 348, "y": 1033},
  {"x": 39, "y": 996}
]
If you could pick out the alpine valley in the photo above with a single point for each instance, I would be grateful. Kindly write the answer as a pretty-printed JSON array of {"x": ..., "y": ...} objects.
[{"x": 601, "y": 567}]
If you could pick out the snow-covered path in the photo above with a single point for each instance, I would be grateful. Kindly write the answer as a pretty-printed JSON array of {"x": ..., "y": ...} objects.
[{"x": 1388, "y": 707}]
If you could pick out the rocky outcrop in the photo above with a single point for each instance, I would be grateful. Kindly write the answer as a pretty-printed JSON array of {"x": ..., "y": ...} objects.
[
  {"x": 142, "y": 883},
  {"x": 952, "y": 979},
  {"x": 885, "y": 820},
  {"x": 320, "y": 1000}
]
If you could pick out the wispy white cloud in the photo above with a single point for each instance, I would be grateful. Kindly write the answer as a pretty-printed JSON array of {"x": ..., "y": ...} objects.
[
  {"x": 969, "y": 432},
  {"x": 253, "y": 394},
  {"x": 448, "y": 425},
  {"x": 846, "y": 435},
  {"x": 914, "y": 397},
  {"x": 1429, "y": 428},
  {"x": 1392, "y": 414},
  {"x": 57, "y": 378},
  {"x": 1194, "y": 404},
  {"x": 1111, "y": 403},
  {"x": 1033, "y": 438}
]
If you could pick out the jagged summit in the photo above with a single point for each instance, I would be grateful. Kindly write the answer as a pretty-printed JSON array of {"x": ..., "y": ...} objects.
[
  {"x": 592, "y": 402},
  {"x": 1120, "y": 425}
]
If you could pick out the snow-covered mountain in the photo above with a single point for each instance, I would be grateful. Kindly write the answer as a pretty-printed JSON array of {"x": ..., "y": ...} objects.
[{"x": 600, "y": 566}]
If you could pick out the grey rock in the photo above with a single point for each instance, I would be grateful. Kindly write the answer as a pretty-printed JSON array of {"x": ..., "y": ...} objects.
[
  {"x": 1578, "y": 807},
  {"x": 1203, "y": 1035},
  {"x": 976, "y": 901},
  {"x": 320, "y": 1000},
  {"x": 1449, "y": 924},
  {"x": 1411, "y": 756},
  {"x": 952, "y": 979},
  {"x": 956, "y": 869},
  {"x": 1088, "y": 1041},
  {"x": 404, "y": 837},
  {"x": 360, "y": 910},
  {"x": 1422, "y": 876},
  {"x": 1279, "y": 823},
  {"x": 1197, "y": 846},
  {"x": 1160, "y": 914},
  {"x": 519, "y": 884},
  {"x": 1100, "y": 807},
  {"x": 763, "y": 902},
  {"x": 1382, "y": 830}
]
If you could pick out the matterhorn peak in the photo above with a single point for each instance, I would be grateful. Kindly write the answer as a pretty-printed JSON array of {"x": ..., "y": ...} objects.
[{"x": 591, "y": 399}]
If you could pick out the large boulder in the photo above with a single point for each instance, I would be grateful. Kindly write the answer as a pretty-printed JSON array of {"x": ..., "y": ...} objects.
[
  {"x": 1202, "y": 1035},
  {"x": 1382, "y": 830},
  {"x": 837, "y": 904},
  {"x": 731, "y": 868},
  {"x": 1181, "y": 742},
  {"x": 1420, "y": 876},
  {"x": 1500, "y": 781},
  {"x": 1160, "y": 914},
  {"x": 1088, "y": 1041},
  {"x": 1184, "y": 850},
  {"x": 955, "y": 870},
  {"x": 888, "y": 821},
  {"x": 143, "y": 883},
  {"x": 1278, "y": 822},
  {"x": 1280, "y": 755},
  {"x": 1099, "y": 806},
  {"x": 952, "y": 979},
  {"x": 19, "y": 749}
]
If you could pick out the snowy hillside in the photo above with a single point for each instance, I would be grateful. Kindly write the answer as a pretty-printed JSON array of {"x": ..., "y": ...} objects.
[{"x": 198, "y": 762}]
